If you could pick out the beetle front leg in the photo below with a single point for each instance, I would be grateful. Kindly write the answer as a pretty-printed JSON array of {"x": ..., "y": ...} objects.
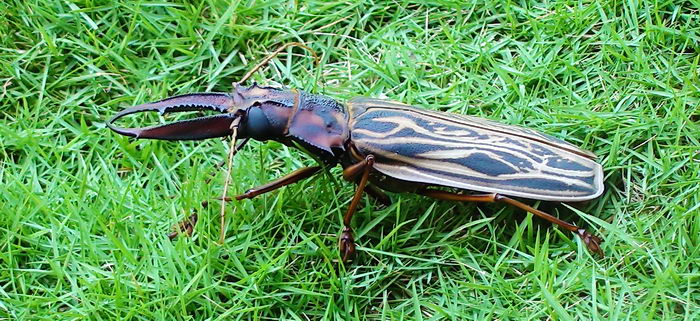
[
  {"x": 290, "y": 178},
  {"x": 591, "y": 241},
  {"x": 347, "y": 242}
]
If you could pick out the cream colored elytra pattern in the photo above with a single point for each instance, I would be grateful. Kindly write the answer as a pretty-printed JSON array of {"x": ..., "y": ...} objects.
[{"x": 471, "y": 153}]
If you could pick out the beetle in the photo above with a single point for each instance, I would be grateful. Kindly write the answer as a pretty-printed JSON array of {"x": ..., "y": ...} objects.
[{"x": 384, "y": 145}]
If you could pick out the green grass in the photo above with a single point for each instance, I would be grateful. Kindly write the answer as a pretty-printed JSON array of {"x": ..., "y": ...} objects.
[{"x": 85, "y": 212}]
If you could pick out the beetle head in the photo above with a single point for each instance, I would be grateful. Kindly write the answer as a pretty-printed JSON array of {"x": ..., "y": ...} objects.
[{"x": 258, "y": 112}]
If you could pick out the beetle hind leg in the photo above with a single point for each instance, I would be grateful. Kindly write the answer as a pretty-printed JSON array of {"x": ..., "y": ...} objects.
[{"x": 592, "y": 241}]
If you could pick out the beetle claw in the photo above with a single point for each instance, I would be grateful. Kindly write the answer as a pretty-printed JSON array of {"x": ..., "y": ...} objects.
[
  {"x": 191, "y": 129},
  {"x": 347, "y": 244},
  {"x": 591, "y": 241}
]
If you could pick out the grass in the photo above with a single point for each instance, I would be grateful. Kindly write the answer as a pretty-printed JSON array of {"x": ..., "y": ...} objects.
[{"x": 85, "y": 212}]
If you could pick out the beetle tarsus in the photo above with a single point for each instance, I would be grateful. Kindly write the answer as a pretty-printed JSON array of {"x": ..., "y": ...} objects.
[
  {"x": 591, "y": 241},
  {"x": 185, "y": 227},
  {"x": 347, "y": 245}
]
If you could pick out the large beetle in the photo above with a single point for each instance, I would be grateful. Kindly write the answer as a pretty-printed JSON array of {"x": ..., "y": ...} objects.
[{"x": 386, "y": 145}]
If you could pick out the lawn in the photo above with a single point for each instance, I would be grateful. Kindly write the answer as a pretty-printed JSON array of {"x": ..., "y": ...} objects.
[{"x": 86, "y": 212}]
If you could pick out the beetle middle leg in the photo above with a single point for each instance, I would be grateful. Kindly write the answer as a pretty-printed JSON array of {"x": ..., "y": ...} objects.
[
  {"x": 378, "y": 195},
  {"x": 347, "y": 242},
  {"x": 591, "y": 241}
]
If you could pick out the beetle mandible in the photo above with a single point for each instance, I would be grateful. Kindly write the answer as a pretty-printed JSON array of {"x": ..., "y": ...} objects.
[{"x": 386, "y": 145}]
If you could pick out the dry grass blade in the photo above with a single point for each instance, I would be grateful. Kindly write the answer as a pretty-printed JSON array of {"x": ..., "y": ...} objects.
[
  {"x": 274, "y": 54},
  {"x": 227, "y": 179}
]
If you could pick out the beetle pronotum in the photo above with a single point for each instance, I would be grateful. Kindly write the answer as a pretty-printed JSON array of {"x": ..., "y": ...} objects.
[{"x": 386, "y": 145}]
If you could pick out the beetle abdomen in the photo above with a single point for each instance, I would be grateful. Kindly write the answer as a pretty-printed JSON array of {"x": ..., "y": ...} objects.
[{"x": 465, "y": 152}]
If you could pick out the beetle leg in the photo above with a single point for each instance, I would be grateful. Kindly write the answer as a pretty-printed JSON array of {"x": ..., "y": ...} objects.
[
  {"x": 185, "y": 226},
  {"x": 591, "y": 241},
  {"x": 290, "y": 178},
  {"x": 377, "y": 194},
  {"x": 347, "y": 242}
]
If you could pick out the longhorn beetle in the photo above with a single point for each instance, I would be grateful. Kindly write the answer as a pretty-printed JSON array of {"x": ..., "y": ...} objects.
[{"x": 386, "y": 145}]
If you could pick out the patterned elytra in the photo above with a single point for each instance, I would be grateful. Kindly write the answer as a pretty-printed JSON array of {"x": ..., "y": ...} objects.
[{"x": 471, "y": 153}]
